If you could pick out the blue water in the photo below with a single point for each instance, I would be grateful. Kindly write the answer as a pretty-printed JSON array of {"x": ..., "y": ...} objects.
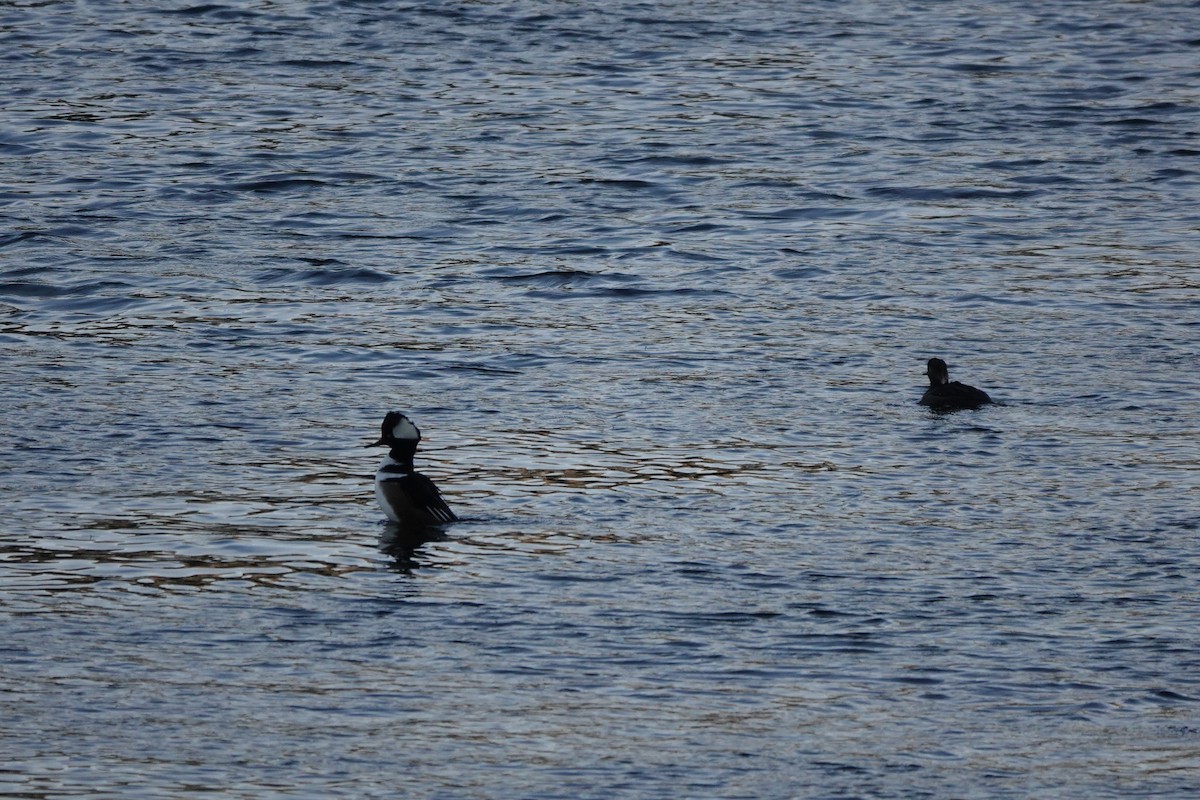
[{"x": 658, "y": 281}]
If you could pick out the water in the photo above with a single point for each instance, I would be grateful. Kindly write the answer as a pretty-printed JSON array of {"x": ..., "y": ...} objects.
[{"x": 658, "y": 281}]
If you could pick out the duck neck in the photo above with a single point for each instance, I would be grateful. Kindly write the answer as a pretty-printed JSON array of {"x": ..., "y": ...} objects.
[{"x": 402, "y": 453}]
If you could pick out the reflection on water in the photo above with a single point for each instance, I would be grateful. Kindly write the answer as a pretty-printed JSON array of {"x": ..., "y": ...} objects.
[{"x": 402, "y": 545}]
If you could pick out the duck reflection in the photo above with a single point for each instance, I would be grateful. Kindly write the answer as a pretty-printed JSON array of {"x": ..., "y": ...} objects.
[{"x": 402, "y": 543}]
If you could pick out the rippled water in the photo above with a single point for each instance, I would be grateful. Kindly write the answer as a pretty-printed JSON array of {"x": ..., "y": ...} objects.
[{"x": 658, "y": 281}]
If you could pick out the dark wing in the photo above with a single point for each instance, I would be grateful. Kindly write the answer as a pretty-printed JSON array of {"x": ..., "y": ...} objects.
[
  {"x": 416, "y": 499},
  {"x": 428, "y": 497},
  {"x": 969, "y": 395}
]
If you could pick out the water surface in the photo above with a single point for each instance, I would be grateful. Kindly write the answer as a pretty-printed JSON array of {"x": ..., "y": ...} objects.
[{"x": 658, "y": 281}]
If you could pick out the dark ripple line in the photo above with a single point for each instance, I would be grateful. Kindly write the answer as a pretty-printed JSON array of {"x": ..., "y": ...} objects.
[
  {"x": 5, "y": 241},
  {"x": 921, "y": 193},
  {"x": 552, "y": 277},
  {"x": 626, "y": 293},
  {"x": 34, "y": 289},
  {"x": 323, "y": 277},
  {"x": 269, "y": 186}
]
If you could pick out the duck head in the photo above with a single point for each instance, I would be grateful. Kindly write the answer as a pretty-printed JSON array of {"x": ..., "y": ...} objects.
[{"x": 939, "y": 374}]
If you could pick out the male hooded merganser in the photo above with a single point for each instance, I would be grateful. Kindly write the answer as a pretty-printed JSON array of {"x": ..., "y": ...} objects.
[
  {"x": 408, "y": 498},
  {"x": 944, "y": 395}
]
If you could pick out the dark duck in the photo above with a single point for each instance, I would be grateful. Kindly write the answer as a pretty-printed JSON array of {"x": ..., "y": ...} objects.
[
  {"x": 946, "y": 395},
  {"x": 409, "y": 499}
]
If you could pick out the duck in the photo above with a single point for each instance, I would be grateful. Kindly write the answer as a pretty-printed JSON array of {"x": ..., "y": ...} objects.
[
  {"x": 946, "y": 395},
  {"x": 408, "y": 498}
]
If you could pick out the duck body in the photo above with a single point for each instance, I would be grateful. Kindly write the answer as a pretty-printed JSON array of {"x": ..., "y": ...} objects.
[
  {"x": 408, "y": 498},
  {"x": 946, "y": 395}
]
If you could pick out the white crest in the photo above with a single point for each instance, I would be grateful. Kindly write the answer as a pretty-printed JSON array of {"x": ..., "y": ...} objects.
[{"x": 404, "y": 429}]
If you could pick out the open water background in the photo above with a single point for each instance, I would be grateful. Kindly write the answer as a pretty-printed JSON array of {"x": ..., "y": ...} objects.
[{"x": 658, "y": 281}]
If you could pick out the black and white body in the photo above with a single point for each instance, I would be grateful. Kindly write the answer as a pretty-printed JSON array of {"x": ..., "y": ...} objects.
[
  {"x": 407, "y": 497},
  {"x": 946, "y": 395}
]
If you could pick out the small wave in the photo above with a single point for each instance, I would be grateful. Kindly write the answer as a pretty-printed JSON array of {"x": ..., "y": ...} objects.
[
  {"x": 209, "y": 9},
  {"x": 550, "y": 278},
  {"x": 630, "y": 184},
  {"x": 699, "y": 227},
  {"x": 1171, "y": 174},
  {"x": 989, "y": 68},
  {"x": 1014, "y": 164},
  {"x": 323, "y": 276},
  {"x": 23, "y": 272},
  {"x": 280, "y": 184},
  {"x": 1133, "y": 122},
  {"x": 36, "y": 289},
  {"x": 682, "y": 160},
  {"x": 800, "y": 273},
  {"x": 627, "y": 293},
  {"x": 978, "y": 299},
  {"x": 709, "y": 618},
  {"x": 317, "y": 63},
  {"x": 95, "y": 305},
  {"x": 1044, "y": 180},
  {"x": 951, "y": 193},
  {"x": 813, "y": 212},
  {"x": 608, "y": 67},
  {"x": 14, "y": 238},
  {"x": 478, "y": 368}
]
